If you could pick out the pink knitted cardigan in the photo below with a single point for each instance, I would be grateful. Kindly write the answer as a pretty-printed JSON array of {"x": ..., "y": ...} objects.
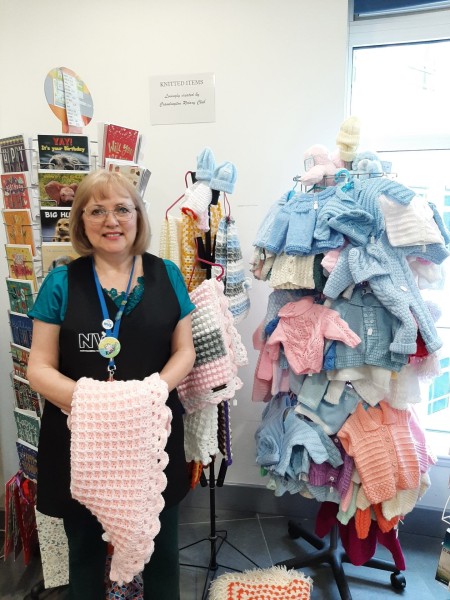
[
  {"x": 119, "y": 432},
  {"x": 381, "y": 444},
  {"x": 302, "y": 329}
]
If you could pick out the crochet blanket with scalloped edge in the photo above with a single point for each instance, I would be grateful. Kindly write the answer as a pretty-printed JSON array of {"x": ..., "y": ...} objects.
[
  {"x": 275, "y": 583},
  {"x": 219, "y": 350},
  {"x": 119, "y": 432}
]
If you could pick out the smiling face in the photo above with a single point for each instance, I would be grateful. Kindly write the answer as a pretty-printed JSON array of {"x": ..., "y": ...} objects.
[{"x": 110, "y": 236}]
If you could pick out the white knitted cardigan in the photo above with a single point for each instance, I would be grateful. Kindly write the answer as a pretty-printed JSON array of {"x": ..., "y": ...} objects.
[{"x": 119, "y": 432}]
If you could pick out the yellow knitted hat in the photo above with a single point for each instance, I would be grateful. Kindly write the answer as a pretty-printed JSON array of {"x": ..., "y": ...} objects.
[{"x": 348, "y": 138}]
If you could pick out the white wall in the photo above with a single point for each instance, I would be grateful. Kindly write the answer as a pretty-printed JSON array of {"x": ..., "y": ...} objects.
[{"x": 280, "y": 87}]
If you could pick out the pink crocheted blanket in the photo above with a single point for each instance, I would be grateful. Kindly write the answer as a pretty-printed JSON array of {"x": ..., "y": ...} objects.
[
  {"x": 219, "y": 350},
  {"x": 119, "y": 432}
]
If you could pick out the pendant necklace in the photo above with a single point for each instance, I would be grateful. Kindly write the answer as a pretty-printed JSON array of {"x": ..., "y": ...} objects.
[{"x": 109, "y": 345}]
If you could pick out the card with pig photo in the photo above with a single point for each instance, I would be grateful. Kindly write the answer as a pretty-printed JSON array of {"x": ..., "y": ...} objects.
[
  {"x": 57, "y": 188},
  {"x": 55, "y": 224},
  {"x": 67, "y": 152}
]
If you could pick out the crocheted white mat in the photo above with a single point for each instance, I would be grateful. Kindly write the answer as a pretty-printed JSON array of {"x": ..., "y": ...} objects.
[{"x": 275, "y": 583}]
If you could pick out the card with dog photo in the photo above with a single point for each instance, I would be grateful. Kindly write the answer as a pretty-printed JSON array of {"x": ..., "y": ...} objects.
[
  {"x": 66, "y": 152},
  {"x": 57, "y": 188},
  {"x": 55, "y": 224},
  {"x": 55, "y": 254}
]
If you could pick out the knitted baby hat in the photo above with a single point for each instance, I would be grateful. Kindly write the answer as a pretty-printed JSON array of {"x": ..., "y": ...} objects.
[
  {"x": 348, "y": 138},
  {"x": 367, "y": 162},
  {"x": 224, "y": 178},
  {"x": 119, "y": 432},
  {"x": 197, "y": 199},
  {"x": 318, "y": 165},
  {"x": 206, "y": 165}
]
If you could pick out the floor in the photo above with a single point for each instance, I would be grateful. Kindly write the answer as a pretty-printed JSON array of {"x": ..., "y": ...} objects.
[{"x": 264, "y": 540}]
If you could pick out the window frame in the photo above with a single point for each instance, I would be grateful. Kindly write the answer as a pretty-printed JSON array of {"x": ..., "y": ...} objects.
[{"x": 402, "y": 29}]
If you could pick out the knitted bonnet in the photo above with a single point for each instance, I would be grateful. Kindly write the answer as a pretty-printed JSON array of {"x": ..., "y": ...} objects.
[
  {"x": 318, "y": 165},
  {"x": 197, "y": 199}
]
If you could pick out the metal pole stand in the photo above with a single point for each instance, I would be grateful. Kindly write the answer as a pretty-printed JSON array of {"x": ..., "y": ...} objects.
[{"x": 216, "y": 538}]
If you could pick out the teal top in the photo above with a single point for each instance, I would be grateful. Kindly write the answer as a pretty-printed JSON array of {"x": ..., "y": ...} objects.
[{"x": 51, "y": 302}]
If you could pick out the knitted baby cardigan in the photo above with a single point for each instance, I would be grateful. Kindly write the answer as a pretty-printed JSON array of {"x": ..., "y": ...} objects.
[
  {"x": 380, "y": 442},
  {"x": 392, "y": 281},
  {"x": 302, "y": 328},
  {"x": 119, "y": 432},
  {"x": 356, "y": 213}
]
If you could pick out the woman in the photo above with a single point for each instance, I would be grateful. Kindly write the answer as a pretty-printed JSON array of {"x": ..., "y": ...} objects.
[{"x": 110, "y": 231}]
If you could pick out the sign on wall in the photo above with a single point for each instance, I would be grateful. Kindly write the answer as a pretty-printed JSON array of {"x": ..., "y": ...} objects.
[{"x": 182, "y": 99}]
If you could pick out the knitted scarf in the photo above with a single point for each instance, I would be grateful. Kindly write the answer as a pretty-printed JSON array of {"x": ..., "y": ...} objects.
[{"x": 228, "y": 254}]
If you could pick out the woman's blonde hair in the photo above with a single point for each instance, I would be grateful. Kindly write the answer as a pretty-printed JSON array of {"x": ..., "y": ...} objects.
[{"x": 98, "y": 185}]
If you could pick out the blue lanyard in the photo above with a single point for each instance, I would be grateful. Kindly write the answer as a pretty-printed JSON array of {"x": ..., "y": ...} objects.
[{"x": 118, "y": 317}]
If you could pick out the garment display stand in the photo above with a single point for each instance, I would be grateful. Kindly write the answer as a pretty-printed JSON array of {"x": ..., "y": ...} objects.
[
  {"x": 334, "y": 556},
  {"x": 216, "y": 538}
]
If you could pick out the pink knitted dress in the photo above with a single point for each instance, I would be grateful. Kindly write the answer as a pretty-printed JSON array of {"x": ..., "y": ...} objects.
[{"x": 119, "y": 432}]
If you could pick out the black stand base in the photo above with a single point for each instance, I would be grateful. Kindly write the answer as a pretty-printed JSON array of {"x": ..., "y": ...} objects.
[
  {"x": 335, "y": 557},
  {"x": 39, "y": 588},
  {"x": 216, "y": 538}
]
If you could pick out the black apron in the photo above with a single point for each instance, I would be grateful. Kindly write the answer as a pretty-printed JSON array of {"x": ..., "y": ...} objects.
[{"x": 145, "y": 338}]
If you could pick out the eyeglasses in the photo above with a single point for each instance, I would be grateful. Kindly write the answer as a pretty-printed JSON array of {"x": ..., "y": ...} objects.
[{"x": 121, "y": 213}]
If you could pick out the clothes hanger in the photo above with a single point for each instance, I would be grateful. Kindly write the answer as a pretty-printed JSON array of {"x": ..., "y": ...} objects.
[
  {"x": 292, "y": 191},
  {"x": 212, "y": 264},
  {"x": 227, "y": 205},
  {"x": 182, "y": 195},
  {"x": 207, "y": 262},
  {"x": 344, "y": 176}
]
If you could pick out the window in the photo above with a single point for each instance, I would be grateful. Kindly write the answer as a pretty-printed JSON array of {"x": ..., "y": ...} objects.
[{"x": 400, "y": 92}]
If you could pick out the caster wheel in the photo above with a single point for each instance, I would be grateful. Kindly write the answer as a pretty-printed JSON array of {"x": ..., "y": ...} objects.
[
  {"x": 398, "y": 581},
  {"x": 293, "y": 531}
]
